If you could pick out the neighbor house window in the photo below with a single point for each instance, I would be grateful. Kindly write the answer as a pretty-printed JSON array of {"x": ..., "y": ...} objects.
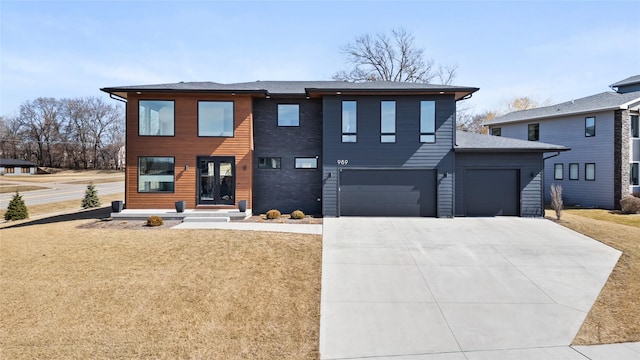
[
  {"x": 25, "y": 170},
  {"x": 635, "y": 126},
  {"x": 306, "y": 163},
  {"x": 590, "y": 126},
  {"x": 349, "y": 121},
  {"x": 156, "y": 117},
  {"x": 534, "y": 132},
  {"x": 155, "y": 174},
  {"x": 215, "y": 118},
  {"x": 288, "y": 115},
  {"x": 574, "y": 171},
  {"x": 496, "y": 131},
  {"x": 427, "y": 121},
  {"x": 590, "y": 171},
  {"x": 9, "y": 170},
  {"x": 268, "y": 163},
  {"x": 558, "y": 170},
  {"x": 634, "y": 176},
  {"x": 387, "y": 121}
]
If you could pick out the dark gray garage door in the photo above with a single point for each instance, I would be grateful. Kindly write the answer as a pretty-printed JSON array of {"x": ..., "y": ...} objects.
[
  {"x": 387, "y": 192},
  {"x": 491, "y": 192}
]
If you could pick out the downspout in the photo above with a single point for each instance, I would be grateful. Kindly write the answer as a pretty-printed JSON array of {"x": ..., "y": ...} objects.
[{"x": 543, "y": 184}]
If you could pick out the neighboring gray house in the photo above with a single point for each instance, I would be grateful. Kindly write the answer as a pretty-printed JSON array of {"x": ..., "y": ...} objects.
[
  {"x": 603, "y": 132},
  {"x": 17, "y": 167}
]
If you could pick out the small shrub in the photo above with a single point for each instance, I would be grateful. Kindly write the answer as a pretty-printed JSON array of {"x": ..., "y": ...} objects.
[
  {"x": 17, "y": 210},
  {"x": 630, "y": 204},
  {"x": 90, "y": 199},
  {"x": 154, "y": 221},
  {"x": 297, "y": 214},
  {"x": 273, "y": 214},
  {"x": 556, "y": 199}
]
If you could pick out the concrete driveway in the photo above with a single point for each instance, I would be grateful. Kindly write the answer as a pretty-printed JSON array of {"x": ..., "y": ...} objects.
[{"x": 464, "y": 288}]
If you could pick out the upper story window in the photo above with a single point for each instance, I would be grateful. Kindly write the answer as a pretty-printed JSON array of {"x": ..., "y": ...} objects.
[
  {"x": 558, "y": 171},
  {"x": 496, "y": 131},
  {"x": 427, "y": 121},
  {"x": 634, "y": 174},
  {"x": 156, "y": 117},
  {"x": 635, "y": 126},
  {"x": 574, "y": 171},
  {"x": 268, "y": 163},
  {"x": 590, "y": 126},
  {"x": 349, "y": 121},
  {"x": 215, "y": 118},
  {"x": 288, "y": 115},
  {"x": 387, "y": 121},
  {"x": 306, "y": 163},
  {"x": 590, "y": 171},
  {"x": 534, "y": 132},
  {"x": 155, "y": 174}
]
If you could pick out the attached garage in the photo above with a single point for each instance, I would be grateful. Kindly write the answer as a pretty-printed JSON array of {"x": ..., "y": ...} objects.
[
  {"x": 387, "y": 192},
  {"x": 492, "y": 192}
]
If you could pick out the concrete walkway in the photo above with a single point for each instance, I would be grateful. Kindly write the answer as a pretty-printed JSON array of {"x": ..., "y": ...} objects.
[
  {"x": 465, "y": 288},
  {"x": 252, "y": 226}
]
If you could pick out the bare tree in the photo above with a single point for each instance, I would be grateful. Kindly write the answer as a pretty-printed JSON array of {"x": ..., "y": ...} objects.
[
  {"x": 467, "y": 121},
  {"x": 391, "y": 58},
  {"x": 41, "y": 120},
  {"x": 523, "y": 103}
]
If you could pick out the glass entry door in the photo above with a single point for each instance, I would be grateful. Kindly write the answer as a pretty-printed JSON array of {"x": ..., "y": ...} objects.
[{"x": 216, "y": 180}]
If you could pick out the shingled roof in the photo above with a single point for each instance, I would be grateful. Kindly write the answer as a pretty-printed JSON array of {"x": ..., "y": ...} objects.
[
  {"x": 473, "y": 142},
  {"x": 15, "y": 162},
  {"x": 628, "y": 81}
]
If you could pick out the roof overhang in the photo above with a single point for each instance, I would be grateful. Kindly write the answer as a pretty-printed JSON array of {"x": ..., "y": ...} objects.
[
  {"x": 508, "y": 150},
  {"x": 458, "y": 93},
  {"x": 124, "y": 92}
]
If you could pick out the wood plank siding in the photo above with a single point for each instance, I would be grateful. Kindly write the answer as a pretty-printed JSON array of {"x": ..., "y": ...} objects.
[{"x": 185, "y": 146}]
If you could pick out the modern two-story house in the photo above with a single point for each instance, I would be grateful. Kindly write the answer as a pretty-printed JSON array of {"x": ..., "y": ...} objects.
[
  {"x": 325, "y": 147},
  {"x": 604, "y": 134}
]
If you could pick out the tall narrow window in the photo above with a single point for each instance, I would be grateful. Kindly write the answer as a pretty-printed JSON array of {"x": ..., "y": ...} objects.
[
  {"x": 387, "y": 121},
  {"x": 288, "y": 115},
  {"x": 496, "y": 131},
  {"x": 634, "y": 175},
  {"x": 155, "y": 174},
  {"x": 349, "y": 121},
  {"x": 427, "y": 121},
  {"x": 590, "y": 171},
  {"x": 534, "y": 132},
  {"x": 590, "y": 126},
  {"x": 215, "y": 118},
  {"x": 156, "y": 118},
  {"x": 574, "y": 171},
  {"x": 558, "y": 170},
  {"x": 635, "y": 126}
]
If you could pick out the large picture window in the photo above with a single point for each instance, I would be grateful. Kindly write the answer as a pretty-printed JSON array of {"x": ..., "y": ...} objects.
[
  {"x": 427, "y": 121},
  {"x": 155, "y": 174},
  {"x": 156, "y": 118},
  {"x": 534, "y": 132},
  {"x": 387, "y": 121},
  {"x": 590, "y": 126},
  {"x": 349, "y": 121},
  {"x": 215, "y": 118},
  {"x": 288, "y": 115}
]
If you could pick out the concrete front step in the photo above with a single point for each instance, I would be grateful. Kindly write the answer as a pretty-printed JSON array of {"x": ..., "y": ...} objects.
[{"x": 206, "y": 219}]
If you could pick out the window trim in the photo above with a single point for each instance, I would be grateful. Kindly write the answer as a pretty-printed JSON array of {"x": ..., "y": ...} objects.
[
  {"x": 536, "y": 132},
  {"x": 278, "y": 114},
  {"x": 174, "y": 117},
  {"x": 424, "y": 134},
  {"x": 270, "y": 168},
  {"x": 586, "y": 132},
  {"x": 555, "y": 171},
  {"x": 586, "y": 174},
  {"x": 577, "y": 167},
  {"x": 156, "y": 192},
  {"x": 351, "y": 133},
  {"x": 637, "y": 166},
  {"x": 233, "y": 119},
  {"x": 388, "y": 135},
  {"x": 295, "y": 163}
]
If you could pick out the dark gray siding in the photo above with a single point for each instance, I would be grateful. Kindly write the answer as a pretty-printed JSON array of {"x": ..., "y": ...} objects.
[
  {"x": 530, "y": 166},
  {"x": 406, "y": 152},
  {"x": 287, "y": 188}
]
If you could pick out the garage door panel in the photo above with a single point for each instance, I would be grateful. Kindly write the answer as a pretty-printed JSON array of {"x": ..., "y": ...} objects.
[
  {"x": 492, "y": 192},
  {"x": 387, "y": 193}
]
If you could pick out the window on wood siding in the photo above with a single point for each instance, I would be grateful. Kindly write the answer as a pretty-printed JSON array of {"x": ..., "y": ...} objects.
[
  {"x": 155, "y": 174},
  {"x": 156, "y": 118},
  {"x": 387, "y": 121},
  {"x": 427, "y": 121},
  {"x": 574, "y": 171},
  {"x": 215, "y": 118},
  {"x": 590, "y": 171},
  {"x": 558, "y": 171},
  {"x": 590, "y": 126},
  {"x": 534, "y": 132},
  {"x": 349, "y": 121}
]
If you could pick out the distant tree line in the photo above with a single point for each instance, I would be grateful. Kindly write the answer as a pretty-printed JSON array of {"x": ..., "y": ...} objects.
[{"x": 77, "y": 133}]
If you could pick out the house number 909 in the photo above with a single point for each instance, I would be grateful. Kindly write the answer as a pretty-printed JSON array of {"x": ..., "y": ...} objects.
[{"x": 342, "y": 162}]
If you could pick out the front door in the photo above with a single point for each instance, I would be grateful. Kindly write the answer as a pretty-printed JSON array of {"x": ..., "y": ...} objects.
[{"x": 216, "y": 180}]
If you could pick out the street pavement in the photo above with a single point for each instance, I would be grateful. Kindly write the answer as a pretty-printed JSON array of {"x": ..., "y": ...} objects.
[{"x": 58, "y": 191}]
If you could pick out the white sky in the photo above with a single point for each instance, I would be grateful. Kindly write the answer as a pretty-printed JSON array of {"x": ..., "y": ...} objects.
[{"x": 550, "y": 50}]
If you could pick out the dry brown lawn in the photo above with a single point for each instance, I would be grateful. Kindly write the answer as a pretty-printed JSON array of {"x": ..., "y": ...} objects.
[
  {"x": 12, "y": 188},
  {"x": 70, "y": 292},
  {"x": 615, "y": 316},
  {"x": 72, "y": 177}
]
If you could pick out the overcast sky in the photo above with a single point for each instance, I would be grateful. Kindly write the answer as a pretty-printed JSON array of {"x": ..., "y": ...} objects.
[{"x": 550, "y": 50}]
